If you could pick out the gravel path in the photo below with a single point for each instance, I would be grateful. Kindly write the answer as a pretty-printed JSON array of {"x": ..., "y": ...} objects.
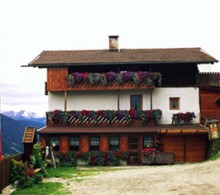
[
  {"x": 184, "y": 179},
  {"x": 198, "y": 179}
]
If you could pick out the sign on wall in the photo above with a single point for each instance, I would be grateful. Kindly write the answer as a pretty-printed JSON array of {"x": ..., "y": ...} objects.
[{"x": 214, "y": 131}]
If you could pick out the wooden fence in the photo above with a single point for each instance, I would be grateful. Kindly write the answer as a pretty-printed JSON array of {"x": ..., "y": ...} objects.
[{"x": 5, "y": 170}]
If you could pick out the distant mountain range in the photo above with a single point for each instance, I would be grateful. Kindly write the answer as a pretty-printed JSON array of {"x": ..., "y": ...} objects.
[
  {"x": 12, "y": 128},
  {"x": 24, "y": 115}
]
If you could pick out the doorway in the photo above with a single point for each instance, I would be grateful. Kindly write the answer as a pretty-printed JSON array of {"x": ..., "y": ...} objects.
[{"x": 133, "y": 149}]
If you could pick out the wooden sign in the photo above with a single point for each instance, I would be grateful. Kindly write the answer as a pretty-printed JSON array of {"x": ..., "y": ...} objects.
[{"x": 214, "y": 131}]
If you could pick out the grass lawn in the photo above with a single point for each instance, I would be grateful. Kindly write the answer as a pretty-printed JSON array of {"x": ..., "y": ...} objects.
[
  {"x": 68, "y": 172},
  {"x": 50, "y": 188},
  {"x": 73, "y": 173}
]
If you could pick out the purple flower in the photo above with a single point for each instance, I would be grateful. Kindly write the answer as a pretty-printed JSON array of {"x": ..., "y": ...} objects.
[
  {"x": 121, "y": 114},
  {"x": 137, "y": 114},
  {"x": 127, "y": 76},
  {"x": 143, "y": 75},
  {"x": 78, "y": 77},
  {"x": 105, "y": 114},
  {"x": 110, "y": 76}
]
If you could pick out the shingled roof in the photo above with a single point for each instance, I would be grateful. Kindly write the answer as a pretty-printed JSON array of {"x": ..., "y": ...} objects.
[
  {"x": 211, "y": 79},
  {"x": 193, "y": 128},
  {"x": 124, "y": 56}
]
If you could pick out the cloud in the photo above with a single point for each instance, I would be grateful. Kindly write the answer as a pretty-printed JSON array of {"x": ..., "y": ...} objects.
[
  {"x": 72, "y": 25},
  {"x": 16, "y": 97}
]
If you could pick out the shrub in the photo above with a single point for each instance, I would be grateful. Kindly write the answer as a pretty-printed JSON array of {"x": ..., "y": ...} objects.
[
  {"x": 67, "y": 159},
  {"x": 24, "y": 175}
]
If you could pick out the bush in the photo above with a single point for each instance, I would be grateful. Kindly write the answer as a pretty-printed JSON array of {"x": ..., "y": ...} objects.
[
  {"x": 214, "y": 149},
  {"x": 69, "y": 159},
  {"x": 17, "y": 171},
  {"x": 24, "y": 175},
  {"x": 104, "y": 158}
]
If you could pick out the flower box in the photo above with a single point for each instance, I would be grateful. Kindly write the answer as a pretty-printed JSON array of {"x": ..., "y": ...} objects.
[
  {"x": 183, "y": 118},
  {"x": 103, "y": 118},
  {"x": 158, "y": 158},
  {"x": 113, "y": 81}
]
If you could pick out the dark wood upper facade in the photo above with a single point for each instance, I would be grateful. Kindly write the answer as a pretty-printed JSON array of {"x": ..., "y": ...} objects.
[{"x": 173, "y": 75}]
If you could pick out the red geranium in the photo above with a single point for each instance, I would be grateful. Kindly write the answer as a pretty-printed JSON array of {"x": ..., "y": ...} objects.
[
  {"x": 84, "y": 112},
  {"x": 131, "y": 112},
  {"x": 85, "y": 75},
  {"x": 99, "y": 113}
]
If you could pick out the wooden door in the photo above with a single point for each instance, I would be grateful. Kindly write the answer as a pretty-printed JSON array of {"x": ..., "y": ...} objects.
[
  {"x": 195, "y": 148},
  {"x": 174, "y": 144},
  {"x": 133, "y": 149}
]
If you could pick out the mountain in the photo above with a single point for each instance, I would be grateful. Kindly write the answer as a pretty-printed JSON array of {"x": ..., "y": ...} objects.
[
  {"x": 13, "y": 130},
  {"x": 25, "y": 116}
]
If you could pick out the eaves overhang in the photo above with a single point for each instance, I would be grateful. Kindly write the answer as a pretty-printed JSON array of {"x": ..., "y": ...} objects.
[{"x": 115, "y": 63}]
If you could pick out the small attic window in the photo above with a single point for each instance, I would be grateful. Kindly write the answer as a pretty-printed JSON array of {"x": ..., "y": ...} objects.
[{"x": 217, "y": 102}]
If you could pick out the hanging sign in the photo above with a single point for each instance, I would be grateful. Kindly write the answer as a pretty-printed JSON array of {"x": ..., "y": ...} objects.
[{"x": 214, "y": 131}]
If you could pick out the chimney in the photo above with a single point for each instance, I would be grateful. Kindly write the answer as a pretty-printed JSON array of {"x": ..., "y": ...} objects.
[{"x": 113, "y": 43}]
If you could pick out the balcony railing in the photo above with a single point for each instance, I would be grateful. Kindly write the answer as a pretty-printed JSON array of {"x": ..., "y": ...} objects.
[
  {"x": 113, "y": 81},
  {"x": 103, "y": 118}
]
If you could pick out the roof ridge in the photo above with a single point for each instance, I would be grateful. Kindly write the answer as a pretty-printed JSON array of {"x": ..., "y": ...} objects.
[{"x": 80, "y": 50}]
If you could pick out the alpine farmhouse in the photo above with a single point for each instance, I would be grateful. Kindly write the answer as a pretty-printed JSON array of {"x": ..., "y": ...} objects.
[{"x": 125, "y": 100}]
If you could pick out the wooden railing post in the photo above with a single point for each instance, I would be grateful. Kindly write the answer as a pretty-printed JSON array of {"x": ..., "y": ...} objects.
[{"x": 65, "y": 101}]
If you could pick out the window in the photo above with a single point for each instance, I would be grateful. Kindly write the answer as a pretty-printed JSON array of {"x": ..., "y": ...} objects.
[
  {"x": 136, "y": 102},
  {"x": 133, "y": 142},
  {"x": 74, "y": 143},
  {"x": 94, "y": 143},
  {"x": 114, "y": 143},
  {"x": 175, "y": 103},
  {"x": 55, "y": 143},
  {"x": 148, "y": 141}
]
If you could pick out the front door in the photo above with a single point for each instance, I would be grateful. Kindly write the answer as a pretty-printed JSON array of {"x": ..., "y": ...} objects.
[{"x": 133, "y": 149}]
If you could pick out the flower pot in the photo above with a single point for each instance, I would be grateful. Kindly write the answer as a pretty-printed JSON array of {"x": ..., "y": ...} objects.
[
  {"x": 80, "y": 162},
  {"x": 123, "y": 162}
]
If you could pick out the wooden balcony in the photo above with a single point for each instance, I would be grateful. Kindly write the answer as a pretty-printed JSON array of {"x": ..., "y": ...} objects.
[
  {"x": 58, "y": 79},
  {"x": 104, "y": 118},
  {"x": 84, "y": 86},
  {"x": 125, "y": 80}
]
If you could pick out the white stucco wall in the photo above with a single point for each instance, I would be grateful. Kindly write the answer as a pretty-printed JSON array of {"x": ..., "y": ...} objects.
[
  {"x": 104, "y": 100},
  {"x": 189, "y": 102},
  {"x": 99, "y": 100},
  {"x": 95, "y": 100}
]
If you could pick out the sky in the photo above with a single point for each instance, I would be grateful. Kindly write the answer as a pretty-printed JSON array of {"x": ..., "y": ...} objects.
[{"x": 28, "y": 27}]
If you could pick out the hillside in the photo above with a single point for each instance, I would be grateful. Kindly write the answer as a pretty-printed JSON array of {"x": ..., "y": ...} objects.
[{"x": 12, "y": 133}]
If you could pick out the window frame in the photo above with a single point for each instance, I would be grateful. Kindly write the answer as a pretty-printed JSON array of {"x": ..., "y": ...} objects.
[
  {"x": 90, "y": 144},
  {"x": 171, "y": 99},
  {"x": 141, "y": 101},
  {"x": 77, "y": 146},
  {"x": 116, "y": 146},
  {"x": 145, "y": 145},
  {"x": 57, "y": 149}
]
